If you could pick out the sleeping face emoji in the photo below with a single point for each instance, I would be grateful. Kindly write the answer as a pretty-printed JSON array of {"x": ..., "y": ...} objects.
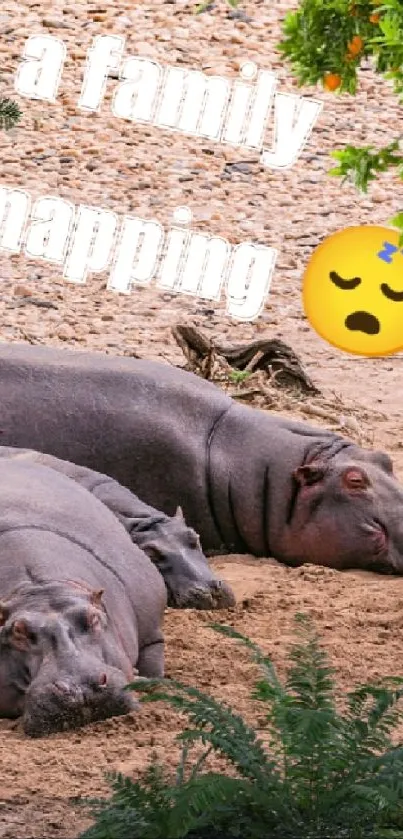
[{"x": 353, "y": 290}]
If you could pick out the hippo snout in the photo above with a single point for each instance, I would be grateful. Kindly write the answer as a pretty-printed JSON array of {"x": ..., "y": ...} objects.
[
  {"x": 65, "y": 703},
  {"x": 215, "y": 594},
  {"x": 73, "y": 692}
]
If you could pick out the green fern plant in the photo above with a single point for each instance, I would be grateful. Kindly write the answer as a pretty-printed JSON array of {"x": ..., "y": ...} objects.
[
  {"x": 10, "y": 113},
  {"x": 319, "y": 774}
]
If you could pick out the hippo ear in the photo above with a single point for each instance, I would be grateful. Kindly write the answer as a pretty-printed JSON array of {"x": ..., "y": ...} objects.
[
  {"x": 179, "y": 514},
  {"x": 4, "y": 613},
  {"x": 20, "y": 634},
  {"x": 96, "y": 597},
  {"x": 310, "y": 474},
  {"x": 381, "y": 459}
]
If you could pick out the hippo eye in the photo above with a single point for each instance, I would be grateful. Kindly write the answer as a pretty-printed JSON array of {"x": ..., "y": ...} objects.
[
  {"x": 79, "y": 619},
  {"x": 344, "y": 284},
  {"x": 355, "y": 479},
  {"x": 82, "y": 621},
  {"x": 194, "y": 541},
  {"x": 396, "y": 296}
]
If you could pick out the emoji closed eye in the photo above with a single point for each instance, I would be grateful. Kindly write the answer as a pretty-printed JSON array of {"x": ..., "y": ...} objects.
[
  {"x": 344, "y": 284},
  {"x": 396, "y": 296}
]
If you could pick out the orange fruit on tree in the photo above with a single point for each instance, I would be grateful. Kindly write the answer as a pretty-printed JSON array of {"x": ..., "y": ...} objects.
[
  {"x": 374, "y": 18},
  {"x": 331, "y": 81},
  {"x": 355, "y": 46}
]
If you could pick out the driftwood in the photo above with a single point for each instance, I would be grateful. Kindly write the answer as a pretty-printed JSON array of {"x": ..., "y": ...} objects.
[{"x": 277, "y": 361}]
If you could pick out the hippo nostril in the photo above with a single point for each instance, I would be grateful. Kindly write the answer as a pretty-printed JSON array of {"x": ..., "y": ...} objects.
[
  {"x": 69, "y": 691},
  {"x": 103, "y": 680},
  {"x": 61, "y": 687}
]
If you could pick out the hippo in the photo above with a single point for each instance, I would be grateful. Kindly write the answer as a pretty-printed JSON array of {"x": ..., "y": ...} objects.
[
  {"x": 248, "y": 481},
  {"x": 172, "y": 546},
  {"x": 81, "y": 606}
]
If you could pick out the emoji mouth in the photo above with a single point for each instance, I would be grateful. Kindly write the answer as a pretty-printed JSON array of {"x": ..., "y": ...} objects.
[{"x": 363, "y": 322}]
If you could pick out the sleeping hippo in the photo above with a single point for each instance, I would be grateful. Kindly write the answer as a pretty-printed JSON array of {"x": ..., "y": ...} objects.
[
  {"x": 247, "y": 481},
  {"x": 81, "y": 606},
  {"x": 172, "y": 546}
]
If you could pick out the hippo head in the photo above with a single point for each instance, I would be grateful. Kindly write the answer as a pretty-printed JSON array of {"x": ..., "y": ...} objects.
[
  {"x": 59, "y": 667},
  {"x": 347, "y": 512},
  {"x": 176, "y": 551}
]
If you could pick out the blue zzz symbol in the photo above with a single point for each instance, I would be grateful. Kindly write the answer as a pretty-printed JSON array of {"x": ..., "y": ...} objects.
[{"x": 388, "y": 250}]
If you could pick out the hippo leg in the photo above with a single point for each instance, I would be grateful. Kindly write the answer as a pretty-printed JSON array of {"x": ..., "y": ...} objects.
[{"x": 150, "y": 664}]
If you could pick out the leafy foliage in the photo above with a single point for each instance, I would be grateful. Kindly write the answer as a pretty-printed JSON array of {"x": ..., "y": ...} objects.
[
  {"x": 320, "y": 774},
  {"x": 361, "y": 165},
  {"x": 337, "y": 35},
  {"x": 327, "y": 42},
  {"x": 10, "y": 113}
]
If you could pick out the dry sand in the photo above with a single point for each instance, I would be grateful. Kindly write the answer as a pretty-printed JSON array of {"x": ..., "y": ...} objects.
[{"x": 101, "y": 160}]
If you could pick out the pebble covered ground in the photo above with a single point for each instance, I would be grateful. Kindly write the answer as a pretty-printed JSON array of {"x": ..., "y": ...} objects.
[{"x": 100, "y": 160}]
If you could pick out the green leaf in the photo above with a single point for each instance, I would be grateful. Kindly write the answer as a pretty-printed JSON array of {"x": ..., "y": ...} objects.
[{"x": 10, "y": 114}]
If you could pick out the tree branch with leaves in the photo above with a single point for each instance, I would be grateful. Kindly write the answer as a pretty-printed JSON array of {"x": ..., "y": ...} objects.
[{"x": 327, "y": 43}]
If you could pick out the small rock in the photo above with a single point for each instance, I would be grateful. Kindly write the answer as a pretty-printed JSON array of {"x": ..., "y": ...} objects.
[
  {"x": 209, "y": 7},
  {"x": 238, "y": 14},
  {"x": 144, "y": 48},
  {"x": 42, "y": 304},
  {"x": 124, "y": 20},
  {"x": 21, "y": 290},
  {"x": 65, "y": 333},
  {"x": 55, "y": 23},
  {"x": 242, "y": 167},
  {"x": 208, "y": 312},
  {"x": 379, "y": 195}
]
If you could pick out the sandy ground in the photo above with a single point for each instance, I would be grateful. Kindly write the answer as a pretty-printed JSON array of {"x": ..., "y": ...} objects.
[{"x": 103, "y": 161}]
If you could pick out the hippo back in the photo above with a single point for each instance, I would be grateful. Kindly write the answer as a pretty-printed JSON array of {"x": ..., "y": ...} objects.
[{"x": 146, "y": 424}]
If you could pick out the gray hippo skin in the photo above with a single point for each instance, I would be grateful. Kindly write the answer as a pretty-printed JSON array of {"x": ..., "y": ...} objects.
[
  {"x": 173, "y": 547},
  {"x": 81, "y": 606},
  {"x": 247, "y": 481}
]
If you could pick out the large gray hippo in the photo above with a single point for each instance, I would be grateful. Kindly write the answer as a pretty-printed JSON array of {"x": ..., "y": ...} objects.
[
  {"x": 81, "y": 606},
  {"x": 247, "y": 481}
]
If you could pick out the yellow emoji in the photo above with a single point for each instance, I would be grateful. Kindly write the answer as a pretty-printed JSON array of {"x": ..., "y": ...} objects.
[{"x": 353, "y": 290}]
